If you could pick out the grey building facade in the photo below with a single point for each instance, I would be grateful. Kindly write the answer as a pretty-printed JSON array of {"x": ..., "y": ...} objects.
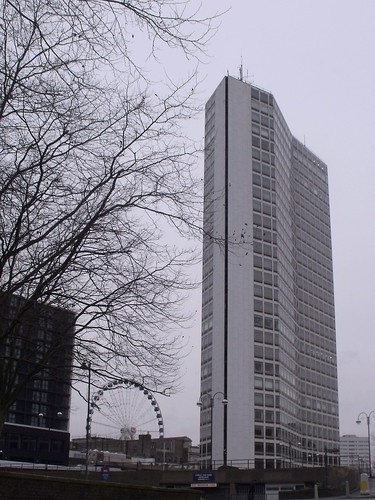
[
  {"x": 354, "y": 452},
  {"x": 268, "y": 323},
  {"x": 37, "y": 348}
]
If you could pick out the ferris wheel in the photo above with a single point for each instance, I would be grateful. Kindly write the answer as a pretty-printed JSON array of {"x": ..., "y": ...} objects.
[{"x": 124, "y": 409}]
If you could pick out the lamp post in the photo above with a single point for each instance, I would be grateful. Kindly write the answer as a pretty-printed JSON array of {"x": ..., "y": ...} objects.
[
  {"x": 359, "y": 419},
  {"x": 43, "y": 420},
  {"x": 37, "y": 451},
  {"x": 87, "y": 366},
  {"x": 212, "y": 400},
  {"x": 289, "y": 450}
]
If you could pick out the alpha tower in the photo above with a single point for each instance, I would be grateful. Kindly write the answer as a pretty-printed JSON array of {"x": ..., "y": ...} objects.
[{"x": 268, "y": 324}]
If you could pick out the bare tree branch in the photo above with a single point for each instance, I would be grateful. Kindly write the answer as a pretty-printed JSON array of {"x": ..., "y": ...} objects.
[{"x": 95, "y": 172}]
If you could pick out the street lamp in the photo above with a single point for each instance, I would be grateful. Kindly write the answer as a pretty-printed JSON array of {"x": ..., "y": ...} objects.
[
  {"x": 43, "y": 419},
  {"x": 359, "y": 419},
  {"x": 212, "y": 399},
  {"x": 289, "y": 449},
  {"x": 48, "y": 417},
  {"x": 87, "y": 366}
]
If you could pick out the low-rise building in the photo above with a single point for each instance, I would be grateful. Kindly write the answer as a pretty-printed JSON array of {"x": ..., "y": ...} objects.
[
  {"x": 354, "y": 451},
  {"x": 166, "y": 450}
]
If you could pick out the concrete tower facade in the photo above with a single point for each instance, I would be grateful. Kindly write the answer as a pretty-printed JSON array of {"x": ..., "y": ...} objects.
[{"x": 268, "y": 325}]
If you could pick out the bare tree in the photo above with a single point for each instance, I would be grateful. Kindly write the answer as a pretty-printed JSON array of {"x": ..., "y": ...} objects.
[{"x": 94, "y": 169}]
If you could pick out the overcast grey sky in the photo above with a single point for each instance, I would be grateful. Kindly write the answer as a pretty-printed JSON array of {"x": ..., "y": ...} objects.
[{"x": 317, "y": 58}]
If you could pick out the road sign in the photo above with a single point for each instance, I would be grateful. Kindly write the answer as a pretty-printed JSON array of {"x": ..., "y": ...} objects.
[{"x": 105, "y": 473}]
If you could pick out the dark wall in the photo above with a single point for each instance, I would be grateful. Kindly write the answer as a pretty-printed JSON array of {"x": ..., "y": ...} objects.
[
  {"x": 16, "y": 486},
  {"x": 32, "y": 444}
]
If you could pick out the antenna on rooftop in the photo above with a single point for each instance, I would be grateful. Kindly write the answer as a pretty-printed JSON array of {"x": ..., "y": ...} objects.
[{"x": 244, "y": 77}]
